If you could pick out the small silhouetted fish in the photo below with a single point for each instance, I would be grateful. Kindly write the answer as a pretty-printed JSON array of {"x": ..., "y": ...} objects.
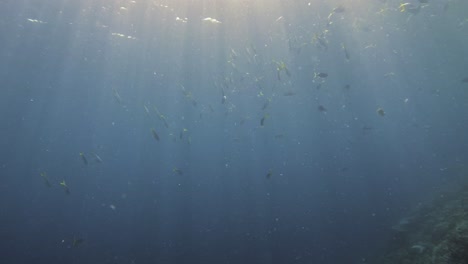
[
  {"x": 413, "y": 9},
  {"x": 321, "y": 75},
  {"x": 346, "y": 53},
  {"x": 366, "y": 129},
  {"x": 290, "y": 93},
  {"x": 380, "y": 111},
  {"x": 446, "y": 6},
  {"x": 341, "y": 9},
  {"x": 155, "y": 135},
  {"x": 262, "y": 121},
  {"x": 464, "y": 80},
  {"x": 424, "y": 1},
  {"x": 347, "y": 86},
  {"x": 321, "y": 108}
]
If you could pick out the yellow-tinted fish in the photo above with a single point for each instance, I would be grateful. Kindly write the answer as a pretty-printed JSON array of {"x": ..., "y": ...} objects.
[
  {"x": 281, "y": 66},
  {"x": 77, "y": 241},
  {"x": 178, "y": 171},
  {"x": 65, "y": 186},
  {"x": 46, "y": 179},
  {"x": 83, "y": 158}
]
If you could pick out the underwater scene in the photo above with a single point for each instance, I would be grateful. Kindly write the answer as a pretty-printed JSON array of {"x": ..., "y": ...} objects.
[{"x": 234, "y": 131}]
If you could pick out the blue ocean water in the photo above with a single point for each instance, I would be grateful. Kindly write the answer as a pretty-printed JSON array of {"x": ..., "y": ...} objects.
[{"x": 225, "y": 131}]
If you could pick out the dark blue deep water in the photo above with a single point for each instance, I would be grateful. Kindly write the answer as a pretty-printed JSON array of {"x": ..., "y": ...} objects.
[{"x": 225, "y": 131}]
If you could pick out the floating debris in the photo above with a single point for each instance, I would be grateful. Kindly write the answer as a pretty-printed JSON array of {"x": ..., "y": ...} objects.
[
  {"x": 212, "y": 20},
  {"x": 269, "y": 174},
  {"x": 147, "y": 111},
  {"x": 97, "y": 158},
  {"x": 322, "y": 108},
  {"x": 389, "y": 74},
  {"x": 123, "y": 36},
  {"x": 36, "y": 21},
  {"x": 183, "y": 20},
  {"x": 223, "y": 99}
]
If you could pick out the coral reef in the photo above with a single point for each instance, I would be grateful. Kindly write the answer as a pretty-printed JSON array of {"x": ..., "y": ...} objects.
[{"x": 435, "y": 234}]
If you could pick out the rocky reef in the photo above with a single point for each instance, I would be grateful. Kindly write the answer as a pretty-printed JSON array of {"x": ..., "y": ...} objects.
[{"x": 434, "y": 234}]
